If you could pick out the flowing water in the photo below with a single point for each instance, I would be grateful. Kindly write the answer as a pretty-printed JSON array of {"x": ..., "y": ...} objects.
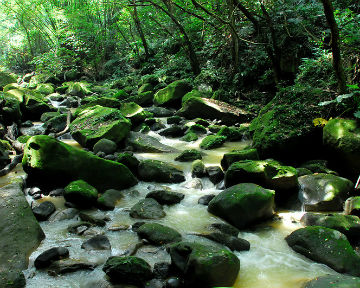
[{"x": 270, "y": 263}]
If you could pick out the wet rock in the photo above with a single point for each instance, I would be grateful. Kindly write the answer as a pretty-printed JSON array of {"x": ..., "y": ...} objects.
[
  {"x": 68, "y": 266},
  {"x": 194, "y": 107},
  {"x": 127, "y": 270},
  {"x": 35, "y": 105},
  {"x": 349, "y": 225},
  {"x": 42, "y": 163},
  {"x": 171, "y": 95},
  {"x": 212, "y": 142},
  {"x": 158, "y": 171},
  {"x": 157, "y": 126},
  {"x": 56, "y": 124},
  {"x": 334, "y": 281},
  {"x": 235, "y": 156},
  {"x": 49, "y": 256},
  {"x": 44, "y": 210},
  {"x": 105, "y": 145},
  {"x": 174, "y": 282},
  {"x": 194, "y": 183},
  {"x": 93, "y": 124},
  {"x": 101, "y": 222},
  {"x": 189, "y": 137},
  {"x": 21, "y": 234},
  {"x": 129, "y": 160},
  {"x": 145, "y": 143},
  {"x": 33, "y": 130},
  {"x": 29, "y": 123},
  {"x": 81, "y": 194},
  {"x": 98, "y": 242},
  {"x": 324, "y": 192},
  {"x": 326, "y": 246},
  {"x": 197, "y": 129},
  {"x": 233, "y": 133},
  {"x": 45, "y": 88},
  {"x": 198, "y": 169},
  {"x": 215, "y": 174},
  {"x": 135, "y": 227},
  {"x": 162, "y": 270},
  {"x": 165, "y": 197},
  {"x": 204, "y": 200},
  {"x": 135, "y": 113},
  {"x": 243, "y": 205},
  {"x": 233, "y": 243},
  {"x": 79, "y": 228},
  {"x": 317, "y": 166},
  {"x": 189, "y": 155},
  {"x": 147, "y": 209},
  {"x": 225, "y": 228},
  {"x": 174, "y": 120},
  {"x": 108, "y": 200},
  {"x": 154, "y": 283},
  {"x": 174, "y": 131},
  {"x": 57, "y": 192},
  {"x": 158, "y": 234},
  {"x": 66, "y": 214},
  {"x": 303, "y": 172},
  {"x": 160, "y": 111},
  {"x": 204, "y": 265}
]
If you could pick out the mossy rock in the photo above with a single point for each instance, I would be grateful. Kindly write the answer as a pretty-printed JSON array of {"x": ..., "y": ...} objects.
[
  {"x": 11, "y": 86},
  {"x": 198, "y": 169},
  {"x": 134, "y": 112},
  {"x": 212, "y": 142},
  {"x": 145, "y": 143},
  {"x": 341, "y": 138},
  {"x": 109, "y": 199},
  {"x": 6, "y": 78},
  {"x": 165, "y": 197},
  {"x": 232, "y": 133},
  {"x": 103, "y": 101},
  {"x": 172, "y": 94},
  {"x": 121, "y": 95},
  {"x": 147, "y": 87},
  {"x": 145, "y": 98},
  {"x": 352, "y": 206},
  {"x": 147, "y": 209},
  {"x": 204, "y": 265},
  {"x": 80, "y": 89},
  {"x": 38, "y": 79},
  {"x": 10, "y": 109},
  {"x": 190, "y": 137},
  {"x": 191, "y": 94},
  {"x": 99, "y": 122},
  {"x": 243, "y": 204},
  {"x": 197, "y": 128},
  {"x": 158, "y": 234},
  {"x": 158, "y": 171},
  {"x": 45, "y": 88},
  {"x": 235, "y": 156},
  {"x": 56, "y": 124},
  {"x": 127, "y": 270},
  {"x": 23, "y": 138},
  {"x": 35, "y": 105},
  {"x": 324, "y": 192},
  {"x": 81, "y": 194},
  {"x": 19, "y": 94},
  {"x": 48, "y": 115},
  {"x": 327, "y": 246},
  {"x": 334, "y": 281},
  {"x": 189, "y": 155},
  {"x": 49, "y": 160}
]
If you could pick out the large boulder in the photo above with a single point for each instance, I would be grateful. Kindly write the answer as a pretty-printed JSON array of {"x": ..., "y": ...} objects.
[
  {"x": 243, "y": 204},
  {"x": 6, "y": 78},
  {"x": 341, "y": 137},
  {"x": 52, "y": 161},
  {"x": 172, "y": 94},
  {"x": 238, "y": 155},
  {"x": 99, "y": 122},
  {"x": 134, "y": 112},
  {"x": 145, "y": 143},
  {"x": 195, "y": 107},
  {"x": 204, "y": 265},
  {"x": 127, "y": 270},
  {"x": 49, "y": 256},
  {"x": 327, "y": 246},
  {"x": 21, "y": 234},
  {"x": 158, "y": 171},
  {"x": 349, "y": 225},
  {"x": 334, "y": 281},
  {"x": 35, "y": 105},
  {"x": 324, "y": 192},
  {"x": 212, "y": 141},
  {"x": 268, "y": 173},
  {"x": 10, "y": 109},
  {"x": 158, "y": 234}
]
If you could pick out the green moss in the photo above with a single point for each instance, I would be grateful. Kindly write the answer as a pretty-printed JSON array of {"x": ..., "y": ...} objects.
[
  {"x": 232, "y": 133},
  {"x": 235, "y": 156},
  {"x": 80, "y": 193},
  {"x": 6, "y": 78},
  {"x": 212, "y": 141},
  {"x": 189, "y": 137},
  {"x": 23, "y": 139},
  {"x": 197, "y": 128},
  {"x": 158, "y": 234},
  {"x": 172, "y": 93},
  {"x": 147, "y": 87},
  {"x": 191, "y": 94},
  {"x": 45, "y": 88}
]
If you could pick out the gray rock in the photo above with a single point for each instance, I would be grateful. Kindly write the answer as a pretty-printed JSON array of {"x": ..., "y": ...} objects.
[
  {"x": 215, "y": 174},
  {"x": 165, "y": 197},
  {"x": 68, "y": 266},
  {"x": 145, "y": 143},
  {"x": 108, "y": 200},
  {"x": 147, "y": 209},
  {"x": 44, "y": 210},
  {"x": 334, "y": 281},
  {"x": 49, "y": 256},
  {"x": 204, "y": 200},
  {"x": 98, "y": 242},
  {"x": 158, "y": 171}
]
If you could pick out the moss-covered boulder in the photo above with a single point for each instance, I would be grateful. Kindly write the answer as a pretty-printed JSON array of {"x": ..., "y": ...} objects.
[
  {"x": 45, "y": 88},
  {"x": 35, "y": 105},
  {"x": 212, "y": 142},
  {"x": 105, "y": 145},
  {"x": 172, "y": 94},
  {"x": 327, "y": 246},
  {"x": 204, "y": 265},
  {"x": 21, "y": 234},
  {"x": 80, "y": 89},
  {"x": 145, "y": 88},
  {"x": 134, "y": 112},
  {"x": 284, "y": 128},
  {"x": 19, "y": 94},
  {"x": 144, "y": 143},
  {"x": 158, "y": 234},
  {"x": 165, "y": 197},
  {"x": 11, "y": 86},
  {"x": 196, "y": 128},
  {"x": 238, "y": 155},
  {"x": 198, "y": 169},
  {"x": 268, "y": 173},
  {"x": 55, "y": 124},
  {"x": 158, "y": 171},
  {"x": 52, "y": 161},
  {"x": 334, "y": 281},
  {"x": 147, "y": 209},
  {"x": 189, "y": 155},
  {"x": 243, "y": 205},
  {"x": 341, "y": 137},
  {"x": 109, "y": 199},
  {"x": 144, "y": 99},
  {"x": 195, "y": 107},
  {"x": 349, "y": 225},
  {"x": 81, "y": 194},
  {"x": 10, "y": 109},
  {"x": 99, "y": 122},
  {"x": 6, "y": 78},
  {"x": 232, "y": 133},
  {"x": 48, "y": 115},
  {"x": 127, "y": 270},
  {"x": 324, "y": 192},
  {"x": 190, "y": 137}
]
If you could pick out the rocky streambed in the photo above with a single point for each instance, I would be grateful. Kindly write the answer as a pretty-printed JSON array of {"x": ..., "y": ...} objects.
[{"x": 156, "y": 197}]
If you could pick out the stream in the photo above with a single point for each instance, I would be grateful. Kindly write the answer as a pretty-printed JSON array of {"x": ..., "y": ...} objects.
[{"x": 270, "y": 263}]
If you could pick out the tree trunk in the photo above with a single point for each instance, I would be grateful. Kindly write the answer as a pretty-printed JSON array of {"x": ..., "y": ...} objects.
[
  {"x": 335, "y": 45},
  {"x": 139, "y": 29}
]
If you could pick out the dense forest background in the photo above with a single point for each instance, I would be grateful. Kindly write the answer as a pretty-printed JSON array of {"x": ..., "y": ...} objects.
[{"x": 231, "y": 50}]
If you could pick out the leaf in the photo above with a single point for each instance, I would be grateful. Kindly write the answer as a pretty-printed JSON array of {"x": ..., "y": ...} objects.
[
  {"x": 325, "y": 103},
  {"x": 355, "y": 86},
  {"x": 340, "y": 98},
  {"x": 320, "y": 122},
  {"x": 357, "y": 114}
]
